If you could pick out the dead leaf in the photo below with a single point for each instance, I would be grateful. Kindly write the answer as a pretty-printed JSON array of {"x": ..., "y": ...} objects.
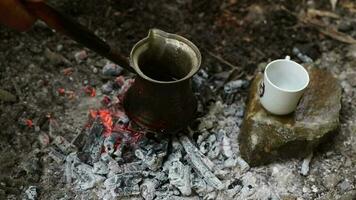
[
  {"x": 322, "y": 13},
  {"x": 7, "y": 96},
  {"x": 342, "y": 37}
]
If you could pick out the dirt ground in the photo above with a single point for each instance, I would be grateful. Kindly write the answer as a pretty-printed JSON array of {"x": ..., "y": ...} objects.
[{"x": 237, "y": 35}]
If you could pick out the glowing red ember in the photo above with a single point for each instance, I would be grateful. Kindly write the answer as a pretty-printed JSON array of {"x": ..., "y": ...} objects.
[
  {"x": 90, "y": 91},
  {"x": 29, "y": 123}
]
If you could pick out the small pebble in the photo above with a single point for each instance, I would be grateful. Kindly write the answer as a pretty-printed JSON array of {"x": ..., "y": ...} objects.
[
  {"x": 107, "y": 88},
  {"x": 111, "y": 69},
  {"x": 80, "y": 56}
]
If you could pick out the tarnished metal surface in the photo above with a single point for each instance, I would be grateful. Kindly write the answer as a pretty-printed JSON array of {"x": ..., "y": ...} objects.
[{"x": 161, "y": 98}]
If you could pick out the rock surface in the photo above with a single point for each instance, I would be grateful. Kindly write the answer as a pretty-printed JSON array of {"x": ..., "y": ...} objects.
[{"x": 265, "y": 137}]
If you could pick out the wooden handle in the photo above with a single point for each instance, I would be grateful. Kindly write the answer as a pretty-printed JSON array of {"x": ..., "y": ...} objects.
[{"x": 76, "y": 31}]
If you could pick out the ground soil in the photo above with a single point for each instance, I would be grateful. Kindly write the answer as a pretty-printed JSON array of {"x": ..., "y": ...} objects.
[{"x": 231, "y": 34}]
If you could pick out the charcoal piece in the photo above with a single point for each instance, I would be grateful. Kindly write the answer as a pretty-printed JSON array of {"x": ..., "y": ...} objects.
[
  {"x": 160, "y": 176},
  {"x": 200, "y": 186},
  {"x": 95, "y": 151},
  {"x": 80, "y": 140},
  {"x": 109, "y": 144},
  {"x": 210, "y": 196},
  {"x": 304, "y": 170},
  {"x": 119, "y": 152},
  {"x": 233, "y": 188},
  {"x": 111, "y": 69},
  {"x": 85, "y": 177},
  {"x": 226, "y": 147},
  {"x": 151, "y": 160},
  {"x": 304, "y": 58},
  {"x": 57, "y": 156},
  {"x": 71, "y": 160},
  {"x": 200, "y": 164},
  {"x": 230, "y": 162},
  {"x": 125, "y": 191},
  {"x": 148, "y": 188},
  {"x": 123, "y": 120},
  {"x": 206, "y": 145},
  {"x": 93, "y": 143},
  {"x": 96, "y": 128},
  {"x": 106, "y": 157},
  {"x": 107, "y": 88},
  {"x": 100, "y": 168},
  {"x": 179, "y": 176},
  {"x": 64, "y": 145},
  {"x": 134, "y": 167},
  {"x": 244, "y": 166},
  {"x": 31, "y": 193},
  {"x": 233, "y": 86},
  {"x": 123, "y": 184}
]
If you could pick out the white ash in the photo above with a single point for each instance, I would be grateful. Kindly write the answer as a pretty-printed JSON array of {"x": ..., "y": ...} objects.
[{"x": 31, "y": 193}]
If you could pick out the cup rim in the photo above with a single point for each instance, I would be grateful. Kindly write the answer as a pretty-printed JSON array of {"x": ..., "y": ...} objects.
[
  {"x": 142, "y": 42},
  {"x": 296, "y": 64}
]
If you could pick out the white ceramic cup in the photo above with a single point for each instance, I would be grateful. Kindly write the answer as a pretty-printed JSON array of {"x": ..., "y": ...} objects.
[{"x": 283, "y": 84}]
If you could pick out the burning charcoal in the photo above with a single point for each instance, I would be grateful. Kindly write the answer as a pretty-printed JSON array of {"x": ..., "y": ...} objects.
[
  {"x": 179, "y": 176},
  {"x": 100, "y": 168},
  {"x": 107, "y": 88},
  {"x": 31, "y": 193},
  {"x": 111, "y": 69},
  {"x": 200, "y": 164},
  {"x": 56, "y": 155},
  {"x": 148, "y": 189},
  {"x": 80, "y": 56},
  {"x": 63, "y": 144},
  {"x": 244, "y": 166},
  {"x": 305, "y": 166},
  {"x": 109, "y": 143},
  {"x": 304, "y": 58},
  {"x": 233, "y": 86}
]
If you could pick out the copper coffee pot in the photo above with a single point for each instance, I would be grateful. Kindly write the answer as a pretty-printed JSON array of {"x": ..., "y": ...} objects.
[{"x": 161, "y": 97}]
